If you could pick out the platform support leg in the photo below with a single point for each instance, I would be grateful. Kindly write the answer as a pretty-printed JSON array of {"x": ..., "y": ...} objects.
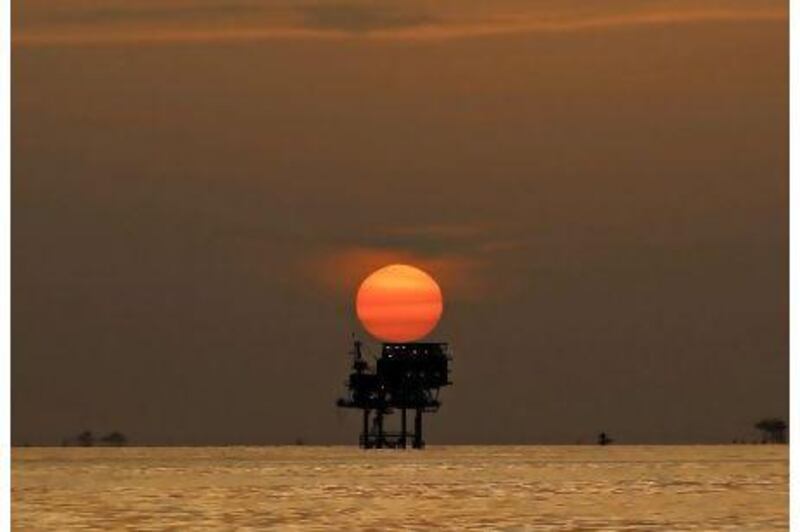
[
  {"x": 403, "y": 428},
  {"x": 365, "y": 430},
  {"x": 379, "y": 425},
  {"x": 418, "y": 443}
]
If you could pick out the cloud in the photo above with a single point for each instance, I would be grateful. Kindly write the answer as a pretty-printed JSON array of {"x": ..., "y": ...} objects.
[
  {"x": 37, "y": 24},
  {"x": 341, "y": 271},
  {"x": 361, "y": 18},
  {"x": 132, "y": 12},
  {"x": 464, "y": 258}
]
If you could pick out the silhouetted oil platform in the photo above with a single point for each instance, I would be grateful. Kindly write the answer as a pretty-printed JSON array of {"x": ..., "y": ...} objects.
[{"x": 407, "y": 376}]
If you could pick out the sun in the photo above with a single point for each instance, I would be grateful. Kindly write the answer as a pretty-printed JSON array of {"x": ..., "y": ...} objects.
[{"x": 399, "y": 303}]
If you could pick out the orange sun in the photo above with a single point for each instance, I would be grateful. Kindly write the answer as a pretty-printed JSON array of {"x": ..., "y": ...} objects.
[{"x": 399, "y": 303}]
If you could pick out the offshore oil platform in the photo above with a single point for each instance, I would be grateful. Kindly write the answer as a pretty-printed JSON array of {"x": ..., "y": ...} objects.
[{"x": 407, "y": 376}]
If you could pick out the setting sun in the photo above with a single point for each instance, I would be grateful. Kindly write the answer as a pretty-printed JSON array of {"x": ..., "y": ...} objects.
[{"x": 399, "y": 303}]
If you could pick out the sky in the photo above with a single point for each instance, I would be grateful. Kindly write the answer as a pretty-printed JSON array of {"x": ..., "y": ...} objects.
[{"x": 199, "y": 186}]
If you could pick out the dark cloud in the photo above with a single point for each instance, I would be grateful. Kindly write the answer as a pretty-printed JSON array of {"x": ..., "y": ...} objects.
[{"x": 361, "y": 17}]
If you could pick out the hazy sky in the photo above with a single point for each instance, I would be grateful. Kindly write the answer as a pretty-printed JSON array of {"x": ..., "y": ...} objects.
[{"x": 599, "y": 187}]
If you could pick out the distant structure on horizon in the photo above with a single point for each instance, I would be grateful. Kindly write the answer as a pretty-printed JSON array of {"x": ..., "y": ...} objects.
[
  {"x": 773, "y": 430},
  {"x": 407, "y": 376},
  {"x": 88, "y": 439}
]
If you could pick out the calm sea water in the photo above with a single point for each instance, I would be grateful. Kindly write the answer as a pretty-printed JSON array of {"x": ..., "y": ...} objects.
[{"x": 309, "y": 488}]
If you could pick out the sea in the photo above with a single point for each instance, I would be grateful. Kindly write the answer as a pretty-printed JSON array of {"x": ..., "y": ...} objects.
[{"x": 616, "y": 487}]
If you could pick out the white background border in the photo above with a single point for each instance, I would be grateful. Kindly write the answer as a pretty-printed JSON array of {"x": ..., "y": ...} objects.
[
  {"x": 5, "y": 263},
  {"x": 5, "y": 257},
  {"x": 794, "y": 255}
]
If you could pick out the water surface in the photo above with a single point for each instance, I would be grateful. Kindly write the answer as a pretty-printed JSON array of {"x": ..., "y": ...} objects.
[{"x": 491, "y": 487}]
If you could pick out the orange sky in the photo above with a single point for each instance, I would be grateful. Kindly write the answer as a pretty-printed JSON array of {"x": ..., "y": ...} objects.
[{"x": 199, "y": 187}]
